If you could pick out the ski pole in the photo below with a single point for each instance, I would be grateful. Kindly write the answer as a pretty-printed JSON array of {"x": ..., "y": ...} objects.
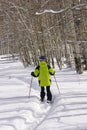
[
  {"x": 30, "y": 85},
  {"x": 57, "y": 84}
]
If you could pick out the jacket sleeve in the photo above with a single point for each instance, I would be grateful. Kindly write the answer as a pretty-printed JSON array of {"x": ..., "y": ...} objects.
[
  {"x": 51, "y": 70},
  {"x": 36, "y": 71}
]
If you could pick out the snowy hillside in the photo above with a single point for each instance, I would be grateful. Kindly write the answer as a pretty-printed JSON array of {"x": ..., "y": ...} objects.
[{"x": 19, "y": 112}]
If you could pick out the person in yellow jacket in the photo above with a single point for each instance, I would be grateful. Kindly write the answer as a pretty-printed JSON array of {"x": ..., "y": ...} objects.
[{"x": 43, "y": 71}]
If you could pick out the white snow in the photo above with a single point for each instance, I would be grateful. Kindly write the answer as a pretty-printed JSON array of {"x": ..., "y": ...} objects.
[
  {"x": 50, "y": 11},
  {"x": 59, "y": 11},
  {"x": 18, "y": 111}
]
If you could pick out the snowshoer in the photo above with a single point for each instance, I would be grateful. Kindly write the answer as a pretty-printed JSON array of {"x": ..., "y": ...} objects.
[{"x": 43, "y": 72}]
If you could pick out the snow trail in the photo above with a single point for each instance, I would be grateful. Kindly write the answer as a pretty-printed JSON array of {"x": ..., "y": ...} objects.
[{"x": 19, "y": 112}]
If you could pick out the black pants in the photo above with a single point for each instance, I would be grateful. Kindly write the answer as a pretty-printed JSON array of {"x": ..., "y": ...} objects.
[{"x": 42, "y": 93}]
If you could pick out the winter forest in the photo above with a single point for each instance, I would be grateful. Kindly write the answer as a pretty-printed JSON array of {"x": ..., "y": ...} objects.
[{"x": 55, "y": 28}]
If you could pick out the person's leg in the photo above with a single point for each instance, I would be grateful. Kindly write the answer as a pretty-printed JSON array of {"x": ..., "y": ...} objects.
[
  {"x": 42, "y": 93},
  {"x": 49, "y": 94}
]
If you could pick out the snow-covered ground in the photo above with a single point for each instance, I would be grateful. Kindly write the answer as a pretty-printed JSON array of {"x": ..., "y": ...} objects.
[{"x": 19, "y": 112}]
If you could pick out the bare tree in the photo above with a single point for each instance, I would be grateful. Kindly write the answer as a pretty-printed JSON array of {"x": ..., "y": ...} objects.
[{"x": 55, "y": 28}]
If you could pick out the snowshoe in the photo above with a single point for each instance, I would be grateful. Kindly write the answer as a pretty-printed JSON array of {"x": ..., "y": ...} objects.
[
  {"x": 42, "y": 100},
  {"x": 48, "y": 101}
]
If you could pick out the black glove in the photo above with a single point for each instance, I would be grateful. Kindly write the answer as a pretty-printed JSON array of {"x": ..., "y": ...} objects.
[
  {"x": 52, "y": 73},
  {"x": 32, "y": 73}
]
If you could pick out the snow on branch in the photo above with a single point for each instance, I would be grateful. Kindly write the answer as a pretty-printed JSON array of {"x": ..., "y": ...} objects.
[
  {"x": 50, "y": 11},
  {"x": 79, "y": 5},
  {"x": 60, "y": 11}
]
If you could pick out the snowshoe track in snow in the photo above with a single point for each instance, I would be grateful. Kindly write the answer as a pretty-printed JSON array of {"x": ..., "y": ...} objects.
[{"x": 19, "y": 112}]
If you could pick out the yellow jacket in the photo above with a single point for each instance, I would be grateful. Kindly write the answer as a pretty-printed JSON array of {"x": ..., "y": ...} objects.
[{"x": 43, "y": 72}]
